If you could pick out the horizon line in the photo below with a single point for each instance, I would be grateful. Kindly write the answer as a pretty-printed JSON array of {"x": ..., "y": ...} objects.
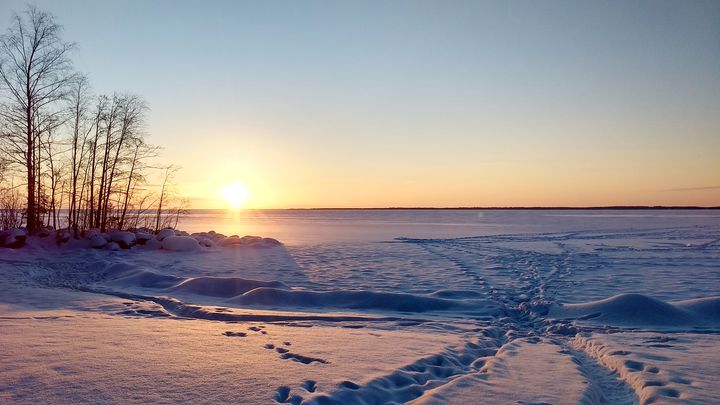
[{"x": 599, "y": 207}]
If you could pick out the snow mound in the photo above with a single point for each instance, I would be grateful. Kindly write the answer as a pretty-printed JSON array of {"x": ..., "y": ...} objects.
[
  {"x": 122, "y": 238},
  {"x": 13, "y": 238},
  {"x": 641, "y": 310},
  {"x": 704, "y": 308},
  {"x": 125, "y": 275},
  {"x": 222, "y": 286},
  {"x": 180, "y": 243},
  {"x": 98, "y": 241},
  {"x": 151, "y": 244},
  {"x": 344, "y": 299},
  {"x": 165, "y": 233},
  {"x": 253, "y": 241},
  {"x": 141, "y": 237}
]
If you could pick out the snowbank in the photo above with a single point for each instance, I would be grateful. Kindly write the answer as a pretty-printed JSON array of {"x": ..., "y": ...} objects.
[
  {"x": 641, "y": 310},
  {"x": 167, "y": 239}
]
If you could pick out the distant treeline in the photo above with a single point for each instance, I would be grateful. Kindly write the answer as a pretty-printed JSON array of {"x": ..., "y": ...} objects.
[{"x": 63, "y": 147}]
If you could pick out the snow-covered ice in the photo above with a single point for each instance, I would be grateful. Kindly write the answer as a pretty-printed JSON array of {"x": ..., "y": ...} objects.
[{"x": 422, "y": 307}]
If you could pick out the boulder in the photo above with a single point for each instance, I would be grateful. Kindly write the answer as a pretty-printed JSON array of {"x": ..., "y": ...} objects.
[
  {"x": 165, "y": 233},
  {"x": 180, "y": 244}
]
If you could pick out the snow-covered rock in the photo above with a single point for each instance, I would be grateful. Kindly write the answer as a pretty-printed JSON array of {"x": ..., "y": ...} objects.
[
  {"x": 141, "y": 238},
  {"x": 90, "y": 233},
  {"x": 63, "y": 236},
  {"x": 165, "y": 233},
  {"x": 203, "y": 241},
  {"x": 152, "y": 244},
  {"x": 98, "y": 241},
  {"x": 180, "y": 244},
  {"x": 112, "y": 246},
  {"x": 254, "y": 241},
  {"x": 122, "y": 238},
  {"x": 45, "y": 231},
  {"x": 13, "y": 238}
]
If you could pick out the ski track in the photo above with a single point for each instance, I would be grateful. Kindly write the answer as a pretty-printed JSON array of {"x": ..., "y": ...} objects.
[{"x": 523, "y": 279}]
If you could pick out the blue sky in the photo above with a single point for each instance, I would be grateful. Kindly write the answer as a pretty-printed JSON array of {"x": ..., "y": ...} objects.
[{"x": 418, "y": 103}]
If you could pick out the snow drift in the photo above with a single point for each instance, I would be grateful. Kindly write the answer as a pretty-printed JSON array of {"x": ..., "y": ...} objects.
[
  {"x": 641, "y": 310},
  {"x": 346, "y": 299},
  {"x": 222, "y": 286}
]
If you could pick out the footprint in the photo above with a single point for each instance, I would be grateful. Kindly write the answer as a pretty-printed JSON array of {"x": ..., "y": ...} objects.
[
  {"x": 282, "y": 394},
  {"x": 302, "y": 359},
  {"x": 281, "y": 350},
  {"x": 620, "y": 353},
  {"x": 269, "y": 346},
  {"x": 669, "y": 392},
  {"x": 287, "y": 343},
  {"x": 309, "y": 385},
  {"x": 235, "y": 334},
  {"x": 634, "y": 365}
]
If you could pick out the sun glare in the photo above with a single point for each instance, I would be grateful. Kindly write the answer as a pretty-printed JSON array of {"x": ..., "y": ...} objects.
[{"x": 235, "y": 194}]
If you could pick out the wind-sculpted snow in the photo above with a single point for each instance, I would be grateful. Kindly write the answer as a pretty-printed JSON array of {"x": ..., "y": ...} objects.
[
  {"x": 641, "y": 310},
  {"x": 358, "y": 300},
  {"x": 275, "y": 294},
  {"x": 222, "y": 286},
  {"x": 129, "y": 276}
]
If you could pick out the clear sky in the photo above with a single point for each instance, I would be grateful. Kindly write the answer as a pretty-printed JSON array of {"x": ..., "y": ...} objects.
[{"x": 418, "y": 103}]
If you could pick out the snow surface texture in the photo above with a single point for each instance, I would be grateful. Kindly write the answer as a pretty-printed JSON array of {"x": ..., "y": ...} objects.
[{"x": 569, "y": 314}]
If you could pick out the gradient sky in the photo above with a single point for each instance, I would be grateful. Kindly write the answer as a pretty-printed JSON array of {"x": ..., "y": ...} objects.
[{"x": 418, "y": 103}]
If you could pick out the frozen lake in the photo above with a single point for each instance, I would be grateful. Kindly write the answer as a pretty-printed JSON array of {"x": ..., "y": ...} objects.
[
  {"x": 377, "y": 306},
  {"x": 294, "y": 227}
]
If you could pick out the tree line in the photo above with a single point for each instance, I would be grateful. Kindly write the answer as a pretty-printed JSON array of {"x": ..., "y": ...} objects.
[{"x": 70, "y": 158}]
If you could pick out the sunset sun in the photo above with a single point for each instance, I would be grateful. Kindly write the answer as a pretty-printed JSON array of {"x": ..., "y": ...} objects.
[{"x": 235, "y": 194}]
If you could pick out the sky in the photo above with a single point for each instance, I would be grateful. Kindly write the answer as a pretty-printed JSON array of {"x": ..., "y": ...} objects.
[{"x": 417, "y": 103}]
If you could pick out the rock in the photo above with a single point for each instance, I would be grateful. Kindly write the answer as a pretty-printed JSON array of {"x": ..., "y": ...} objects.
[
  {"x": 165, "y": 233},
  {"x": 152, "y": 244},
  {"x": 98, "y": 242},
  {"x": 13, "y": 238},
  {"x": 90, "y": 233},
  {"x": 63, "y": 236},
  {"x": 254, "y": 241},
  {"x": 123, "y": 239},
  {"x": 142, "y": 237},
  {"x": 180, "y": 244}
]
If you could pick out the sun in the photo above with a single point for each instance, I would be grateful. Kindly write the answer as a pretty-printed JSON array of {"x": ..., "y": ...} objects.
[{"x": 235, "y": 194}]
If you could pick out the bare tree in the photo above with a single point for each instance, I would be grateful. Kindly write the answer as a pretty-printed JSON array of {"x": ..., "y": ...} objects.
[
  {"x": 35, "y": 69},
  {"x": 165, "y": 193},
  {"x": 81, "y": 128}
]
